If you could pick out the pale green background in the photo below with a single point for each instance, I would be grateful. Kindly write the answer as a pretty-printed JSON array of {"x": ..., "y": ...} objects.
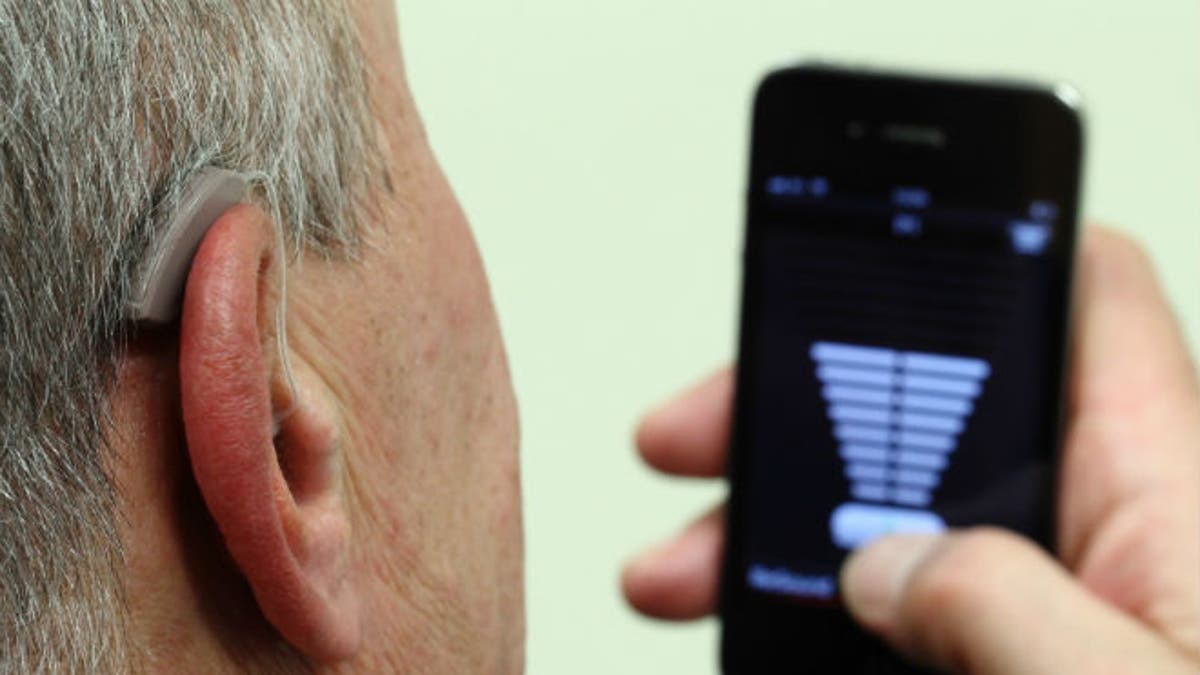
[{"x": 599, "y": 148}]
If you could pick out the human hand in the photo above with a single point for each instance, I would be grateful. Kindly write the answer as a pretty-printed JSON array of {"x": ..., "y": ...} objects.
[{"x": 1124, "y": 596}]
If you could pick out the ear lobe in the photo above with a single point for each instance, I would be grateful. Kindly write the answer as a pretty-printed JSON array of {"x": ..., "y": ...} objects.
[{"x": 276, "y": 497}]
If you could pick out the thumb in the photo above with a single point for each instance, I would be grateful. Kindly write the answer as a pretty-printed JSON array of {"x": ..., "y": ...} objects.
[{"x": 986, "y": 602}]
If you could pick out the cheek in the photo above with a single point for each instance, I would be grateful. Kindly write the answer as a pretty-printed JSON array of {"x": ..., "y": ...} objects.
[
  {"x": 479, "y": 370},
  {"x": 442, "y": 412}
]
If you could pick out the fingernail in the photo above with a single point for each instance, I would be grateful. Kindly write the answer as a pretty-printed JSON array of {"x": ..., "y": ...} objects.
[{"x": 874, "y": 577}]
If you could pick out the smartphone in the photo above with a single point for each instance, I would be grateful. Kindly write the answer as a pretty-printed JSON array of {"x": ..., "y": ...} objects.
[{"x": 908, "y": 262}]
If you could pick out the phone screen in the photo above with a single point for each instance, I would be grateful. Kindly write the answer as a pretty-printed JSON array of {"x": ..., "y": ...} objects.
[{"x": 907, "y": 263}]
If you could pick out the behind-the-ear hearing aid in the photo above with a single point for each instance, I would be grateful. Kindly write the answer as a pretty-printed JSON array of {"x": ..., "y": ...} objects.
[{"x": 156, "y": 293}]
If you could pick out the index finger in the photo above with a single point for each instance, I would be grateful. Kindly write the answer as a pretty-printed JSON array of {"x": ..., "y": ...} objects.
[{"x": 689, "y": 435}]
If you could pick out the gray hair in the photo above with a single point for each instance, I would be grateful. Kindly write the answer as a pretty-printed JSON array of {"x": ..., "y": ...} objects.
[{"x": 108, "y": 108}]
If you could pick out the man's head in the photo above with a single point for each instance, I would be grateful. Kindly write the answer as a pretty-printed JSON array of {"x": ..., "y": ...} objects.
[{"x": 192, "y": 493}]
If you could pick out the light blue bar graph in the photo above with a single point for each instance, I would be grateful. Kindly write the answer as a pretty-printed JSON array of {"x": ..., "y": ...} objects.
[
  {"x": 922, "y": 460},
  {"x": 920, "y": 420},
  {"x": 850, "y": 432},
  {"x": 874, "y": 357},
  {"x": 943, "y": 404},
  {"x": 924, "y": 441},
  {"x": 846, "y": 375},
  {"x": 853, "y": 413},
  {"x": 847, "y": 394},
  {"x": 940, "y": 385},
  {"x": 898, "y": 417},
  {"x": 867, "y": 472},
  {"x": 852, "y": 452},
  {"x": 974, "y": 369}
]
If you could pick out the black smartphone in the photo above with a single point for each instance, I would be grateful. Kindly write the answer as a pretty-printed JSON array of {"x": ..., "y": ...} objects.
[{"x": 908, "y": 263}]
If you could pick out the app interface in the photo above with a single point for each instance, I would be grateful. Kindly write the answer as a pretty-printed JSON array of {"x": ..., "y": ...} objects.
[{"x": 906, "y": 353}]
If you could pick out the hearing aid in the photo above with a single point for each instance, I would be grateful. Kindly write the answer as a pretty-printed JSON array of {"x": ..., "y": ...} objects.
[{"x": 157, "y": 293}]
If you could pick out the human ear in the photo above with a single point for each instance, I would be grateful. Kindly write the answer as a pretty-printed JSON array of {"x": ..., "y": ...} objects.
[{"x": 266, "y": 456}]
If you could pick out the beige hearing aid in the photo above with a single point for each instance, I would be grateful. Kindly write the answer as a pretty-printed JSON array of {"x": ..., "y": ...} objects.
[{"x": 211, "y": 193}]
